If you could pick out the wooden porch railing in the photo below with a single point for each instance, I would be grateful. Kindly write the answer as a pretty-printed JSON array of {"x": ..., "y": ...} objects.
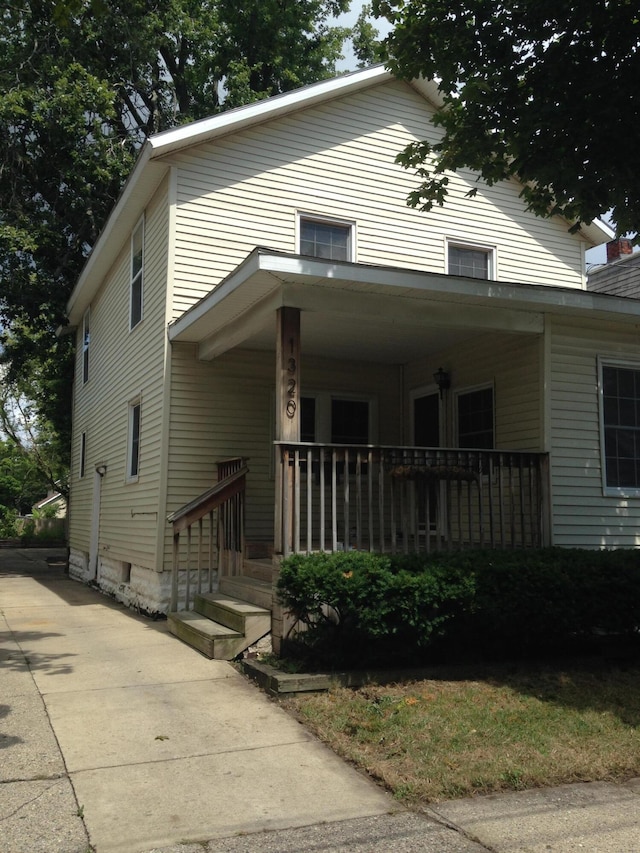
[
  {"x": 215, "y": 534},
  {"x": 409, "y": 499}
]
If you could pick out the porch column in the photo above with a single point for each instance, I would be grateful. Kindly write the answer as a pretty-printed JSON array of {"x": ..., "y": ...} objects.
[
  {"x": 287, "y": 415},
  {"x": 288, "y": 375}
]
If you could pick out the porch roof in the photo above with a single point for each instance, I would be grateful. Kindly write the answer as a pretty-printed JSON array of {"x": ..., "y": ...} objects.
[{"x": 376, "y": 313}]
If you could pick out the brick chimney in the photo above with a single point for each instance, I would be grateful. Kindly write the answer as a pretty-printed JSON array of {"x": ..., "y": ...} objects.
[{"x": 617, "y": 248}]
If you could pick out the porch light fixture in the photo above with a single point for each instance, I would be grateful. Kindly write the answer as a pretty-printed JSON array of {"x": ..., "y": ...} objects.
[{"x": 442, "y": 380}]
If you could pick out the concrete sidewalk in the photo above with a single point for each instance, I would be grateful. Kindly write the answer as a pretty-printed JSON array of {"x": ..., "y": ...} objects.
[{"x": 114, "y": 736}]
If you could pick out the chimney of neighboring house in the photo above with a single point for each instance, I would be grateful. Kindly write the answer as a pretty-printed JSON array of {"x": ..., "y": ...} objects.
[{"x": 617, "y": 248}]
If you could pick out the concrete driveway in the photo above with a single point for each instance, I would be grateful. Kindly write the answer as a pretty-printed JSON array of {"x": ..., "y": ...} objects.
[{"x": 109, "y": 719}]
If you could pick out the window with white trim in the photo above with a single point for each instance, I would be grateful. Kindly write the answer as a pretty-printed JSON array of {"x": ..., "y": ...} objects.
[
  {"x": 133, "y": 444},
  {"x": 326, "y": 238},
  {"x": 475, "y": 418},
  {"x": 86, "y": 339},
  {"x": 337, "y": 419},
  {"x": 470, "y": 261},
  {"x": 620, "y": 418},
  {"x": 136, "y": 291}
]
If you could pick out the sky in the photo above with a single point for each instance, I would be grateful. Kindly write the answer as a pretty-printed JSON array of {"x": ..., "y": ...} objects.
[{"x": 348, "y": 20}]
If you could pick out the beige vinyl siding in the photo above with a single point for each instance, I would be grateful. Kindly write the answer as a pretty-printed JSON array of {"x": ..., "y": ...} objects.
[
  {"x": 225, "y": 408},
  {"x": 582, "y": 515},
  {"x": 511, "y": 364},
  {"x": 124, "y": 365},
  {"x": 80, "y": 492},
  {"x": 338, "y": 160}
]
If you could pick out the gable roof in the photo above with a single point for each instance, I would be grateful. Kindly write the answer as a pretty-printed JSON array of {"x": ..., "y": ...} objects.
[
  {"x": 51, "y": 498},
  {"x": 152, "y": 166}
]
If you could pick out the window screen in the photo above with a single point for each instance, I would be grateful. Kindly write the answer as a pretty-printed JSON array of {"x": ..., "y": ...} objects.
[
  {"x": 475, "y": 419},
  {"x": 621, "y": 415},
  {"x": 325, "y": 240},
  {"x": 473, "y": 263}
]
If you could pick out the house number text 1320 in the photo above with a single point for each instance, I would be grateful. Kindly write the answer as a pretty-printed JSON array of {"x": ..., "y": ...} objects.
[{"x": 292, "y": 384}]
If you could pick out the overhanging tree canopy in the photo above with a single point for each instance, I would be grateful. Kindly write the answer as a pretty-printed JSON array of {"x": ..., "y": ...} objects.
[
  {"x": 82, "y": 84},
  {"x": 542, "y": 90}
]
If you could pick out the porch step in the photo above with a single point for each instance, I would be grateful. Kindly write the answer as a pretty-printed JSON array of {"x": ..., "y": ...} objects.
[
  {"x": 210, "y": 638},
  {"x": 259, "y": 569},
  {"x": 242, "y": 616},
  {"x": 255, "y": 591},
  {"x": 220, "y": 627}
]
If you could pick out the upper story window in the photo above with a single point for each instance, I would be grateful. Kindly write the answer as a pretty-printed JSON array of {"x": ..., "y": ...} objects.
[
  {"x": 326, "y": 238},
  {"x": 620, "y": 417},
  {"x": 137, "y": 275},
  {"x": 86, "y": 338},
  {"x": 470, "y": 261},
  {"x": 475, "y": 418}
]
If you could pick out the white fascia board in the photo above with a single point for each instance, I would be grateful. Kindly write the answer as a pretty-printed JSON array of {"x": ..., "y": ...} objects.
[
  {"x": 221, "y": 124},
  {"x": 535, "y": 296}
]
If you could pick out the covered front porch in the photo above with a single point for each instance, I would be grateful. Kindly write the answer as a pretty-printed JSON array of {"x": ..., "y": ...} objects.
[
  {"x": 405, "y": 413},
  {"x": 400, "y": 500}
]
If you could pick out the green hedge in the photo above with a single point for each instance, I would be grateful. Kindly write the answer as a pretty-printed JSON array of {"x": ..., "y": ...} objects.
[{"x": 358, "y": 608}]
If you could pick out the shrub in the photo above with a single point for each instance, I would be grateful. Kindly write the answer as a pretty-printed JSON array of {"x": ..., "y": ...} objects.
[
  {"x": 361, "y": 608},
  {"x": 539, "y": 600}
]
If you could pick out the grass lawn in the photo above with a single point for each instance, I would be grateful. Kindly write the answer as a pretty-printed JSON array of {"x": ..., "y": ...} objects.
[{"x": 488, "y": 729}]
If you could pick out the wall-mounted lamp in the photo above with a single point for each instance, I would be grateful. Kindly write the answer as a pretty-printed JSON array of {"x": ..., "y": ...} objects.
[
  {"x": 101, "y": 469},
  {"x": 442, "y": 380}
]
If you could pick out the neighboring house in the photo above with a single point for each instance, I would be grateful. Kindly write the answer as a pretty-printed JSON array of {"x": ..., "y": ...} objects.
[
  {"x": 265, "y": 321},
  {"x": 48, "y": 520},
  {"x": 620, "y": 276}
]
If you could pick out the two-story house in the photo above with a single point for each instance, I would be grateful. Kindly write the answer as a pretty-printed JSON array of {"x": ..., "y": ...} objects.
[{"x": 276, "y": 354}]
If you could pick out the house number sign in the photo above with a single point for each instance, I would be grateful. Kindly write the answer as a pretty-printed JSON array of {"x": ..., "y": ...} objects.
[{"x": 292, "y": 384}]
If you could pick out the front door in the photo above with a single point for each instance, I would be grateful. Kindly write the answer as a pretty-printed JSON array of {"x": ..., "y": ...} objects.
[{"x": 426, "y": 433}]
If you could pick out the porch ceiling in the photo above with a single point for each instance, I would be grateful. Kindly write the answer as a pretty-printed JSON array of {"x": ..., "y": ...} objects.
[{"x": 383, "y": 314}]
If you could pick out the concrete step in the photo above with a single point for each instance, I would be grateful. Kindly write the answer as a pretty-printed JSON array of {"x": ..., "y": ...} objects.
[
  {"x": 254, "y": 591},
  {"x": 260, "y": 569},
  {"x": 249, "y": 620},
  {"x": 212, "y": 639}
]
